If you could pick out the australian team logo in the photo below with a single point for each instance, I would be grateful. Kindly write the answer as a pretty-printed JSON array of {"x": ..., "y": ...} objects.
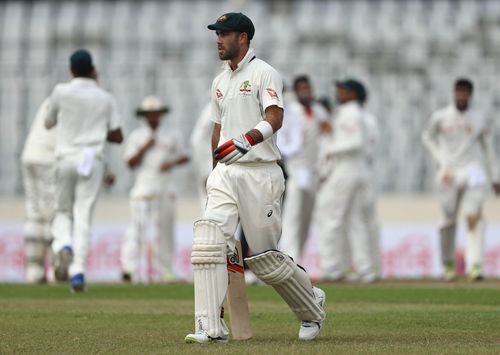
[{"x": 246, "y": 88}]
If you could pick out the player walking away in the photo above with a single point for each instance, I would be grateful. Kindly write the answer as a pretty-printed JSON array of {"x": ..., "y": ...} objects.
[
  {"x": 152, "y": 153},
  {"x": 301, "y": 164},
  {"x": 38, "y": 170},
  {"x": 340, "y": 200},
  {"x": 458, "y": 137},
  {"x": 201, "y": 152},
  {"x": 85, "y": 117},
  {"x": 246, "y": 185},
  {"x": 369, "y": 208}
]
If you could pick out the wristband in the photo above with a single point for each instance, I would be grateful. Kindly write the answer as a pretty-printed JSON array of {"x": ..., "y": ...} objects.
[{"x": 265, "y": 129}]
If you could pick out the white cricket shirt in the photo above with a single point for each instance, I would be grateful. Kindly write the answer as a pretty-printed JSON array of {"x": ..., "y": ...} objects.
[
  {"x": 83, "y": 114},
  {"x": 348, "y": 132},
  {"x": 459, "y": 139},
  {"x": 307, "y": 129},
  {"x": 239, "y": 100},
  {"x": 40, "y": 144},
  {"x": 150, "y": 181}
]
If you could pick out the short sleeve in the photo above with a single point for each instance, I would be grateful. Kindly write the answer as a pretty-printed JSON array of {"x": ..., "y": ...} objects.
[
  {"x": 115, "y": 121},
  {"x": 215, "y": 114},
  {"x": 51, "y": 113},
  {"x": 271, "y": 89}
]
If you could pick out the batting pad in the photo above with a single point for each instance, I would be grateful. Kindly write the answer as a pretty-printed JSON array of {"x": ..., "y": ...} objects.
[
  {"x": 210, "y": 277},
  {"x": 290, "y": 281}
]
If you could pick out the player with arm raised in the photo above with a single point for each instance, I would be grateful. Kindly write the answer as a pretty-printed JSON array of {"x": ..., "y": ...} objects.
[
  {"x": 459, "y": 139},
  {"x": 246, "y": 185}
]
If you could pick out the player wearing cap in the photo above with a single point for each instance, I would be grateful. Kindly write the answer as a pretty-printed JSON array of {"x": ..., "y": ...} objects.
[
  {"x": 85, "y": 117},
  {"x": 340, "y": 200},
  {"x": 459, "y": 139},
  {"x": 301, "y": 164},
  {"x": 246, "y": 185},
  {"x": 38, "y": 160},
  {"x": 152, "y": 153}
]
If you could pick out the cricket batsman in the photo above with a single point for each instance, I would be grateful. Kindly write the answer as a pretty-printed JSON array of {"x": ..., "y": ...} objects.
[
  {"x": 246, "y": 185},
  {"x": 459, "y": 139}
]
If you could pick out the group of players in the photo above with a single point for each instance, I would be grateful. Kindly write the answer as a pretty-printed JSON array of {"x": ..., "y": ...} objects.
[{"x": 329, "y": 163}]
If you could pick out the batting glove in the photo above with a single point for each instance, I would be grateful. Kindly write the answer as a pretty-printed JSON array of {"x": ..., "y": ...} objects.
[{"x": 233, "y": 149}]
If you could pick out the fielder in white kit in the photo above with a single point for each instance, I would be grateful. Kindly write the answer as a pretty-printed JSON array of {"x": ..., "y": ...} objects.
[
  {"x": 245, "y": 185},
  {"x": 85, "y": 117},
  {"x": 459, "y": 139},
  {"x": 340, "y": 199},
  {"x": 152, "y": 152},
  {"x": 301, "y": 157},
  {"x": 38, "y": 160}
]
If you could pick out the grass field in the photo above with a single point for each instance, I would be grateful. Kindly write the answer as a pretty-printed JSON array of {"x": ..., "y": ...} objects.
[{"x": 388, "y": 317}]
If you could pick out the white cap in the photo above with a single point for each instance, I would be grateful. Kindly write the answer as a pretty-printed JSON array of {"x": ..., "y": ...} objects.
[{"x": 151, "y": 104}]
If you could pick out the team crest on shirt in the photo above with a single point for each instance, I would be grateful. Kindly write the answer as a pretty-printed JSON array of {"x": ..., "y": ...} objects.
[
  {"x": 246, "y": 88},
  {"x": 272, "y": 93},
  {"x": 218, "y": 93}
]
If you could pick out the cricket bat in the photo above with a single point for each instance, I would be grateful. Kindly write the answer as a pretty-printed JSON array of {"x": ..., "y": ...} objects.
[{"x": 237, "y": 298}]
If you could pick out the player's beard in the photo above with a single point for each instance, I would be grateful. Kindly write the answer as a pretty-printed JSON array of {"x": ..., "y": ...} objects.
[{"x": 230, "y": 51}]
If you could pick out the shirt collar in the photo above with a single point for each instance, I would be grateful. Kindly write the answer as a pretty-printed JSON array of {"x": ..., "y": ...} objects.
[
  {"x": 350, "y": 104},
  {"x": 82, "y": 80},
  {"x": 246, "y": 59}
]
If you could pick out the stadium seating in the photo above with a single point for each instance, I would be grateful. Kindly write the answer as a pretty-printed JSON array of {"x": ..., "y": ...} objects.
[{"x": 407, "y": 52}]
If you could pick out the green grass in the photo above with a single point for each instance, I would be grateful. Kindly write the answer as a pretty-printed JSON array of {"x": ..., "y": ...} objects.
[{"x": 397, "y": 317}]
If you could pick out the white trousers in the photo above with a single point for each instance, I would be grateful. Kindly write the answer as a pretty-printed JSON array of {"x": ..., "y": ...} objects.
[
  {"x": 152, "y": 224},
  {"x": 75, "y": 202},
  {"x": 369, "y": 218},
  {"x": 340, "y": 206},
  {"x": 39, "y": 188},
  {"x": 251, "y": 194},
  {"x": 297, "y": 215},
  {"x": 452, "y": 198}
]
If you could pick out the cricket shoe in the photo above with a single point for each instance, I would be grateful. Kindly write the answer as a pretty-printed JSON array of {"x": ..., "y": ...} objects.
[
  {"x": 449, "y": 272},
  {"x": 62, "y": 261},
  {"x": 475, "y": 274},
  {"x": 201, "y": 337},
  {"x": 309, "y": 329},
  {"x": 78, "y": 283}
]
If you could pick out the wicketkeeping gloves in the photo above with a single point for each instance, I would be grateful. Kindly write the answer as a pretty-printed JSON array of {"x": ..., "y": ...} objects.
[{"x": 233, "y": 149}]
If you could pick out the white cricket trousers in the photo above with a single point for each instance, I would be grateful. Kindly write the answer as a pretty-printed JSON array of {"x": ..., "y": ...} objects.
[
  {"x": 249, "y": 193},
  {"x": 152, "y": 223},
  {"x": 39, "y": 189},
  {"x": 470, "y": 199},
  {"x": 76, "y": 196},
  {"x": 340, "y": 205},
  {"x": 297, "y": 214}
]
